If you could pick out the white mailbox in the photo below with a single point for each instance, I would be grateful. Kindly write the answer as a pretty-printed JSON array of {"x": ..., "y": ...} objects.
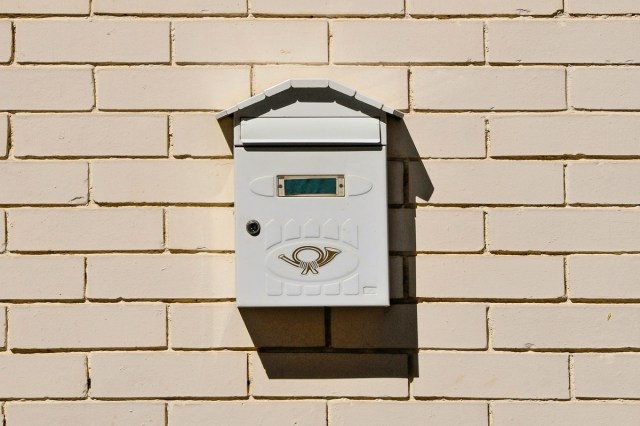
[{"x": 311, "y": 196}]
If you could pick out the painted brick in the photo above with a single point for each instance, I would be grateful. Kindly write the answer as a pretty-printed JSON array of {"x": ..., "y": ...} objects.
[
  {"x": 46, "y": 88},
  {"x": 154, "y": 277},
  {"x": 44, "y": 183},
  {"x": 4, "y": 135},
  {"x": 489, "y": 88},
  {"x": 93, "y": 413},
  {"x": 492, "y": 375},
  {"x": 486, "y": 7},
  {"x": 79, "y": 326},
  {"x": 199, "y": 135},
  {"x": 603, "y": 277},
  {"x": 191, "y": 228},
  {"x": 169, "y": 7},
  {"x": 563, "y": 42},
  {"x": 493, "y": 182},
  {"x": 6, "y": 41},
  {"x": 41, "y": 278},
  {"x": 489, "y": 277},
  {"x": 162, "y": 181},
  {"x": 383, "y": 413},
  {"x": 595, "y": 88},
  {"x": 412, "y": 42},
  {"x": 385, "y": 84},
  {"x": 262, "y": 41},
  {"x": 607, "y": 375},
  {"x": 168, "y": 374},
  {"x": 611, "y": 7},
  {"x": 328, "y": 8},
  {"x": 45, "y": 7},
  {"x": 170, "y": 88},
  {"x": 574, "y": 326},
  {"x": 583, "y": 413},
  {"x": 74, "y": 229},
  {"x": 436, "y": 230},
  {"x": 603, "y": 182},
  {"x": 565, "y": 134},
  {"x": 97, "y": 41},
  {"x": 43, "y": 376},
  {"x": 222, "y": 325},
  {"x": 306, "y": 374},
  {"x": 563, "y": 230},
  {"x": 239, "y": 413},
  {"x": 90, "y": 135},
  {"x": 452, "y": 326},
  {"x": 437, "y": 136}
]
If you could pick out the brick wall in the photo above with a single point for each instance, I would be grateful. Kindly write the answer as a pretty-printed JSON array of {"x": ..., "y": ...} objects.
[{"x": 514, "y": 214}]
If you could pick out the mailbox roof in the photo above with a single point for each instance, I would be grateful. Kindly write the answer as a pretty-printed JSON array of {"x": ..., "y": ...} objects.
[{"x": 305, "y": 83}]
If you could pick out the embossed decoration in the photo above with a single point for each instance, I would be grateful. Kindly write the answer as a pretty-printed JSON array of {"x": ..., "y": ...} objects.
[{"x": 308, "y": 263}]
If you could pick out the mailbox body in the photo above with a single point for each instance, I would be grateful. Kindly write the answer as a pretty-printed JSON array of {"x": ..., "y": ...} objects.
[{"x": 310, "y": 168}]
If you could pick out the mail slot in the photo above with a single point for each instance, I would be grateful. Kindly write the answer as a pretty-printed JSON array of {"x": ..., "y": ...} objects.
[{"x": 310, "y": 196}]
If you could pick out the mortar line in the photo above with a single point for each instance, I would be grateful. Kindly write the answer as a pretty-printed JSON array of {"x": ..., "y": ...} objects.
[
  {"x": 172, "y": 43},
  {"x": 86, "y": 262},
  {"x": 572, "y": 389}
]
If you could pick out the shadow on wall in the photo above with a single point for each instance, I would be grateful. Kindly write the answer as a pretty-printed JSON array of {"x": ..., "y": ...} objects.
[{"x": 332, "y": 343}]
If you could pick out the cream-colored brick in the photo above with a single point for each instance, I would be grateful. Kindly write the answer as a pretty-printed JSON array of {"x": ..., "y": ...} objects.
[
  {"x": 452, "y": 326},
  {"x": 306, "y": 374},
  {"x": 45, "y": 7},
  {"x": 395, "y": 182},
  {"x": 73, "y": 229},
  {"x": 406, "y": 41},
  {"x": 489, "y": 277},
  {"x": 485, "y": 7},
  {"x": 574, "y": 326},
  {"x": 4, "y": 135},
  {"x": 489, "y": 88},
  {"x": 200, "y": 228},
  {"x": 563, "y": 41},
  {"x": 43, "y": 376},
  {"x": 327, "y": 7},
  {"x": 90, "y": 135},
  {"x": 384, "y": 413},
  {"x": 564, "y": 230},
  {"x": 222, "y": 325},
  {"x": 241, "y": 413},
  {"x": 603, "y": 277},
  {"x": 199, "y": 135},
  {"x": 603, "y": 182},
  {"x": 170, "y": 7},
  {"x": 255, "y": 41},
  {"x": 610, "y": 7},
  {"x": 162, "y": 181},
  {"x": 170, "y": 88},
  {"x": 492, "y": 375},
  {"x": 565, "y": 134},
  {"x": 6, "y": 41},
  {"x": 607, "y": 375},
  {"x": 44, "y": 183},
  {"x": 80, "y": 326},
  {"x": 393, "y": 327},
  {"x": 153, "y": 277},
  {"x": 41, "y": 278},
  {"x": 46, "y": 88},
  {"x": 168, "y": 374},
  {"x": 388, "y": 85},
  {"x": 436, "y": 230},
  {"x": 85, "y": 413},
  {"x": 492, "y": 182},
  {"x": 3, "y": 328},
  {"x": 615, "y": 88},
  {"x": 565, "y": 413},
  {"x": 437, "y": 136},
  {"x": 97, "y": 41}
]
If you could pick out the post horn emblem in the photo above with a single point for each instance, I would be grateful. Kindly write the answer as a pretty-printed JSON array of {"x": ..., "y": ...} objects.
[{"x": 323, "y": 257}]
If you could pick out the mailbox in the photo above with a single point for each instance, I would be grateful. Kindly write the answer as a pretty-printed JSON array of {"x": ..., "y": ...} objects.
[{"x": 311, "y": 196}]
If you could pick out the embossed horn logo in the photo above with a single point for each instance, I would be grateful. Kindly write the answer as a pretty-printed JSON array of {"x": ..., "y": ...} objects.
[{"x": 308, "y": 263}]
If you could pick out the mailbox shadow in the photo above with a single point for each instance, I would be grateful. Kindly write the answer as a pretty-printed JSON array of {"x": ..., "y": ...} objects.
[{"x": 363, "y": 342}]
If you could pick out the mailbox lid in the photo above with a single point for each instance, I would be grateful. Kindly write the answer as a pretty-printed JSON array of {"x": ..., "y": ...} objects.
[{"x": 310, "y": 131}]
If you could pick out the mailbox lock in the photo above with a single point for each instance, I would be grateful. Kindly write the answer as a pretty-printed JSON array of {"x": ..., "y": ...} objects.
[{"x": 253, "y": 228}]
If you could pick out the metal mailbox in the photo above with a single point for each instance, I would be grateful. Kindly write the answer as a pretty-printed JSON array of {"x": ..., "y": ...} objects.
[{"x": 311, "y": 196}]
